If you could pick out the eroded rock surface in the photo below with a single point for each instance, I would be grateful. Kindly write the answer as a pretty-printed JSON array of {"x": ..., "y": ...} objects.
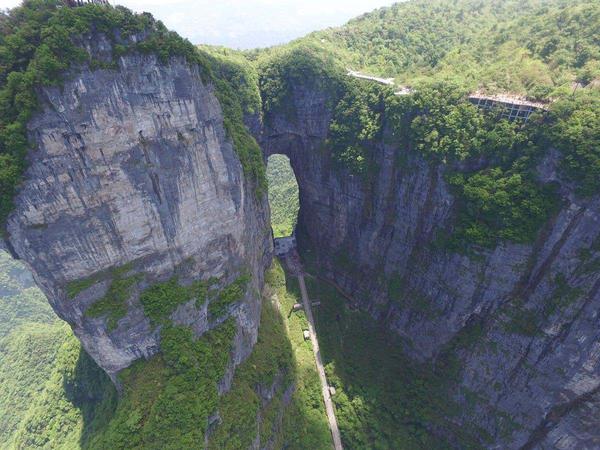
[
  {"x": 132, "y": 168},
  {"x": 133, "y": 171},
  {"x": 522, "y": 319}
]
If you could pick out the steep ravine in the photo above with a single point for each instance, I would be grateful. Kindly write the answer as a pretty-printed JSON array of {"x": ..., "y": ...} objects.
[
  {"x": 132, "y": 172},
  {"x": 521, "y": 319},
  {"x": 133, "y": 176}
]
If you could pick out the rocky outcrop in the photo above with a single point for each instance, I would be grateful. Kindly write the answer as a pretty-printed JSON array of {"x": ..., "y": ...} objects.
[
  {"x": 521, "y": 319},
  {"x": 132, "y": 171}
]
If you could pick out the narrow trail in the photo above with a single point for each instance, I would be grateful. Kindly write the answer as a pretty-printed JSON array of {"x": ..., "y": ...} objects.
[{"x": 335, "y": 431}]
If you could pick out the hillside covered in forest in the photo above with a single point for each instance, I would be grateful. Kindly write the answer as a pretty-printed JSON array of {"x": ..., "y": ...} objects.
[{"x": 534, "y": 47}]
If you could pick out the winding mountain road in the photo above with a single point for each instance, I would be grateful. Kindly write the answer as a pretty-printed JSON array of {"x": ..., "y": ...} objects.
[{"x": 335, "y": 431}]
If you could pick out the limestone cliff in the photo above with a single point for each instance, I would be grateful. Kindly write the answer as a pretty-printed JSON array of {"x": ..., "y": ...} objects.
[
  {"x": 132, "y": 172},
  {"x": 522, "y": 319},
  {"x": 133, "y": 180}
]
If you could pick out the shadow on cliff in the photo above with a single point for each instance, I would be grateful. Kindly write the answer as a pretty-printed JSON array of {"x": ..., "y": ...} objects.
[
  {"x": 383, "y": 399},
  {"x": 90, "y": 390}
]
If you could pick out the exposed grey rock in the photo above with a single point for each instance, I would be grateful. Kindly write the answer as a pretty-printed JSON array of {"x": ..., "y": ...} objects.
[
  {"x": 528, "y": 388},
  {"x": 133, "y": 166}
]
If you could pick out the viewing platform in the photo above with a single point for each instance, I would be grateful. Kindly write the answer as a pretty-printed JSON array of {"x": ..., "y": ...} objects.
[{"x": 512, "y": 107}]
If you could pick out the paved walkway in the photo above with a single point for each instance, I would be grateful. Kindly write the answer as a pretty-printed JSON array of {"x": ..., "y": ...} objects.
[
  {"x": 364, "y": 76},
  {"x": 335, "y": 431}
]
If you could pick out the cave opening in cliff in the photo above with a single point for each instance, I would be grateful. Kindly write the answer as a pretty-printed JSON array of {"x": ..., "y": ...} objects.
[{"x": 283, "y": 195}]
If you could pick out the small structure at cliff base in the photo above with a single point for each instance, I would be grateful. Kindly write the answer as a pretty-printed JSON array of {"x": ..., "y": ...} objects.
[{"x": 284, "y": 245}]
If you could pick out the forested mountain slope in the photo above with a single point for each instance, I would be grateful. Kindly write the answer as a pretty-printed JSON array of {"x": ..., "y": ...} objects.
[
  {"x": 50, "y": 389},
  {"x": 534, "y": 47}
]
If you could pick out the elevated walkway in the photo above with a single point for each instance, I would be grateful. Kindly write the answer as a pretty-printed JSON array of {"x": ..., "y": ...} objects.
[
  {"x": 75, "y": 3},
  {"x": 512, "y": 107},
  {"x": 364, "y": 76}
]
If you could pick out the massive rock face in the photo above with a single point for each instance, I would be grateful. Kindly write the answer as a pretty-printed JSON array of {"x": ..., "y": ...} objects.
[
  {"x": 132, "y": 171},
  {"x": 522, "y": 319}
]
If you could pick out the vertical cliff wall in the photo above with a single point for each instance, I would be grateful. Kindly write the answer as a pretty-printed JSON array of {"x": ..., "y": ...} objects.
[
  {"x": 133, "y": 186},
  {"x": 521, "y": 320},
  {"x": 133, "y": 180}
]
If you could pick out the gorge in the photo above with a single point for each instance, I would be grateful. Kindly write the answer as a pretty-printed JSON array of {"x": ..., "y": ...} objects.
[{"x": 468, "y": 243}]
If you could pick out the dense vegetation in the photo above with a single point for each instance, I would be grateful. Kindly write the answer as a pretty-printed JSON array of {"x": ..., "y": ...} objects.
[
  {"x": 237, "y": 91},
  {"x": 284, "y": 73},
  {"x": 534, "y": 47},
  {"x": 383, "y": 399},
  {"x": 41, "y": 40},
  {"x": 52, "y": 395},
  {"x": 283, "y": 195},
  {"x": 271, "y": 361},
  {"x": 229, "y": 295},
  {"x": 21, "y": 302},
  {"x": 357, "y": 126},
  {"x": 232, "y": 66},
  {"x": 283, "y": 360},
  {"x": 161, "y": 299},
  {"x": 113, "y": 305},
  {"x": 168, "y": 400},
  {"x": 446, "y": 50},
  {"x": 575, "y": 130},
  {"x": 489, "y": 162},
  {"x": 304, "y": 423}
]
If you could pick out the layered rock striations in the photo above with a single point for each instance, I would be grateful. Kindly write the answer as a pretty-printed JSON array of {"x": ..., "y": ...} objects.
[
  {"x": 133, "y": 177},
  {"x": 521, "y": 319},
  {"x": 133, "y": 181}
]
